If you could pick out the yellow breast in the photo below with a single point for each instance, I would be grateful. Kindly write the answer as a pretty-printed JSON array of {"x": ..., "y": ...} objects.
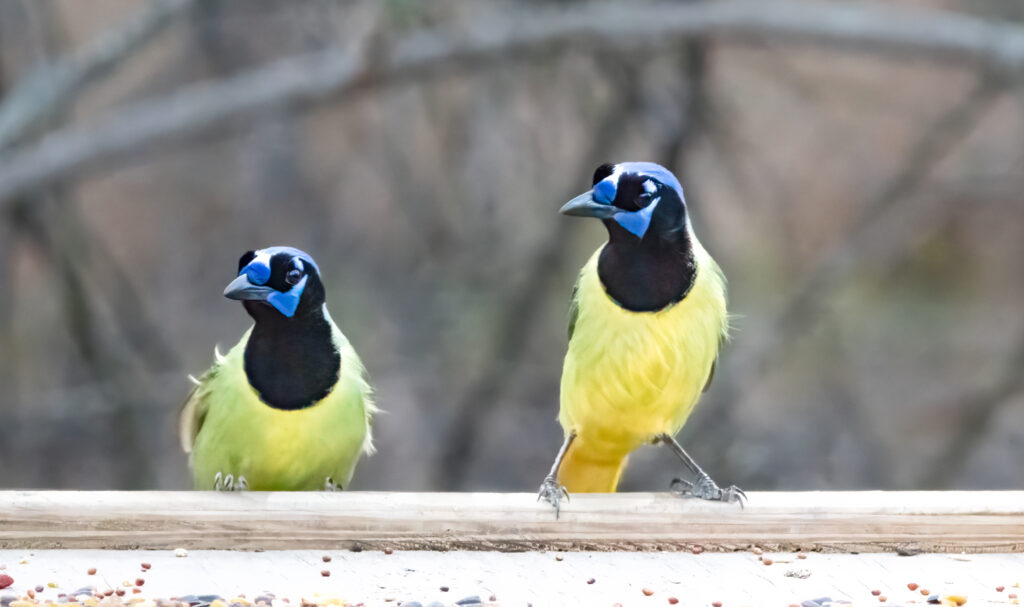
[{"x": 630, "y": 376}]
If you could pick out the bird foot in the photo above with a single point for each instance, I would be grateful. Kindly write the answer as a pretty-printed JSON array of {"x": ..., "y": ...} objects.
[
  {"x": 330, "y": 485},
  {"x": 229, "y": 482},
  {"x": 552, "y": 492},
  {"x": 706, "y": 489}
]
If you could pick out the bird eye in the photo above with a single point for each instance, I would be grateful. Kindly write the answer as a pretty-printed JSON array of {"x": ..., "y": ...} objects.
[{"x": 293, "y": 277}]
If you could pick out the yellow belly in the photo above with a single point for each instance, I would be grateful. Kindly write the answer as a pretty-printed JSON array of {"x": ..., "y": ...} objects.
[{"x": 631, "y": 376}]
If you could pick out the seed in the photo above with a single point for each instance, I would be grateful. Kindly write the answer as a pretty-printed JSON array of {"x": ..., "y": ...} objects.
[
  {"x": 356, "y": 548},
  {"x": 647, "y": 591},
  {"x": 146, "y": 565},
  {"x": 697, "y": 549},
  {"x": 801, "y": 556},
  {"x": 757, "y": 551},
  {"x": 1000, "y": 588},
  {"x": 39, "y": 589},
  {"x": 716, "y": 604},
  {"x": 51, "y": 584},
  {"x": 591, "y": 581},
  {"x": 766, "y": 561},
  {"x": 959, "y": 599},
  {"x": 180, "y": 553},
  {"x": 672, "y": 600},
  {"x": 388, "y": 551},
  {"x": 1011, "y": 596},
  {"x": 925, "y": 592},
  {"x": 92, "y": 571},
  {"x": 31, "y": 593},
  {"x": 139, "y": 581},
  {"x": 912, "y": 586},
  {"x": 325, "y": 573},
  {"x": 876, "y": 592},
  {"x": 108, "y": 592},
  {"x": 882, "y": 599},
  {"x": 558, "y": 558},
  {"x": 444, "y": 589},
  {"x": 326, "y": 558},
  {"x": 493, "y": 598},
  {"x": 136, "y": 590},
  {"x": 120, "y": 591},
  {"x": 5, "y": 580}
]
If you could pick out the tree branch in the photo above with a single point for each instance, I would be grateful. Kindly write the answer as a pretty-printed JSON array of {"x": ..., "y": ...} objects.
[
  {"x": 313, "y": 77},
  {"x": 53, "y": 86}
]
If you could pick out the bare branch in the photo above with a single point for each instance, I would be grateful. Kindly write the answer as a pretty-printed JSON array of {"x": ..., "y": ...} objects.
[
  {"x": 53, "y": 86},
  {"x": 196, "y": 109}
]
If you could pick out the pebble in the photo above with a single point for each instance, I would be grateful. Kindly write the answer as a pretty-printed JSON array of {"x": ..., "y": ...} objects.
[
  {"x": 411, "y": 604},
  {"x": 470, "y": 600},
  {"x": 800, "y": 574},
  {"x": 933, "y": 599},
  {"x": 816, "y": 602},
  {"x": 436, "y": 604},
  {"x": 5, "y": 581}
]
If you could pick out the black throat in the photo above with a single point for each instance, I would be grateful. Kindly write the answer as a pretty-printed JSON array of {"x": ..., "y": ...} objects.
[
  {"x": 647, "y": 274},
  {"x": 291, "y": 362}
]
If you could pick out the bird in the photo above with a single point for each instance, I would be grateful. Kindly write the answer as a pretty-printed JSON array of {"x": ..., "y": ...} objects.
[
  {"x": 647, "y": 317},
  {"x": 289, "y": 407}
]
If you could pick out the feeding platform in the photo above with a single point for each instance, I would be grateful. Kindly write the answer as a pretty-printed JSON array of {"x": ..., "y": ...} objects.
[{"x": 632, "y": 548}]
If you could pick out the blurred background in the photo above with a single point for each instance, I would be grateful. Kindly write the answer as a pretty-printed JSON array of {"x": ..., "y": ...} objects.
[{"x": 856, "y": 169}]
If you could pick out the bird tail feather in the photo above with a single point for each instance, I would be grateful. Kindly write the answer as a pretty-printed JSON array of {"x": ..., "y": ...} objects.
[{"x": 583, "y": 471}]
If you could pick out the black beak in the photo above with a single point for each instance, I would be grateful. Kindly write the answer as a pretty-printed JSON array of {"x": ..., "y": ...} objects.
[
  {"x": 241, "y": 288},
  {"x": 585, "y": 206}
]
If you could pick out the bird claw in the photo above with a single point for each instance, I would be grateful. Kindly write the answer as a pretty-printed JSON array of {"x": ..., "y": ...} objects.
[
  {"x": 552, "y": 492},
  {"x": 330, "y": 485},
  {"x": 229, "y": 482},
  {"x": 706, "y": 489}
]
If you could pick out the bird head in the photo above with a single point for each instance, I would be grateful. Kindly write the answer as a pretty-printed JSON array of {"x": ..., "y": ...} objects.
[
  {"x": 277, "y": 281},
  {"x": 632, "y": 197}
]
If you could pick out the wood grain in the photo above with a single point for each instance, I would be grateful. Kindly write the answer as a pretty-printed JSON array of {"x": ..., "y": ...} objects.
[{"x": 813, "y": 521}]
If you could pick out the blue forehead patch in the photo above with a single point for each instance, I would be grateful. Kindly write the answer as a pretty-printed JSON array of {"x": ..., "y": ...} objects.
[
  {"x": 257, "y": 272},
  {"x": 604, "y": 191}
]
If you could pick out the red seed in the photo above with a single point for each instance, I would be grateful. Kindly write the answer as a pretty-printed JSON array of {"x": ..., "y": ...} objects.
[
  {"x": 925, "y": 592},
  {"x": 139, "y": 581},
  {"x": 146, "y": 565},
  {"x": 882, "y": 599},
  {"x": 591, "y": 581},
  {"x": 647, "y": 591},
  {"x": 766, "y": 561},
  {"x": 1011, "y": 596},
  {"x": 444, "y": 589},
  {"x": 136, "y": 590},
  {"x": 325, "y": 573},
  {"x": 1000, "y": 588},
  {"x": 119, "y": 592},
  {"x": 108, "y": 592},
  {"x": 31, "y": 593},
  {"x": 672, "y": 600},
  {"x": 92, "y": 571},
  {"x": 716, "y": 604},
  {"x": 876, "y": 592},
  {"x": 326, "y": 558},
  {"x": 388, "y": 551},
  {"x": 40, "y": 588},
  {"x": 5, "y": 580},
  {"x": 697, "y": 549},
  {"x": 558, "y": 558},
  {"x": 912, "y": 586},
  {"x": 493, "y": 598}
]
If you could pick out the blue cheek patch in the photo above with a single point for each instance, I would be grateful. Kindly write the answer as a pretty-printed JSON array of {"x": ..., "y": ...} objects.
[
  {"x": 257, "y": 273},
  {"x": 604, "y": 191},
  {"x": 637, "y": 222},
  {"x": 286, "y": 303}
]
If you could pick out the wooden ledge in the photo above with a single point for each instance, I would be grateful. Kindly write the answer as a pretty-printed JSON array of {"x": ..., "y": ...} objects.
[{"x": 869, "y": 521}]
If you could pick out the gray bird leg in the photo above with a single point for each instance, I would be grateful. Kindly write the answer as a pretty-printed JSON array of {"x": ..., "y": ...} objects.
[
  {"x": 703, "y": 487},
  {"x": 551, "y": 490}
]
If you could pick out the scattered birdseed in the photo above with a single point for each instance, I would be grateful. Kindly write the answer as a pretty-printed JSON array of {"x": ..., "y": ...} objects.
[
  {"x": 912, "y": 586},
  {"x": 647, "y": 591},
  {"x": 959, "y": 599},
  {"x": 180, "y": 553},
  {"x": 444, "y": 589},
  {"x": 591, "y": 581},
  {"x": 716, "y": 604},
  {"x": 766, "y": 561},
  {"x": 51, "y": 584},
  {"x": 697, "y": 549},
  {"x": 1011, "y": 596},
  {"x": 757, "y": 551},
  {"x": 925, "y": 591},
  {"x": 5, "y": 580},
  {"x": 882, "y": 599},
  {"x": 146, "y": 565},
  {"x": 120, "y": 591},
  {"x": 672, "y": 600},
  {"x": 876, "y": 592},
  {"x": 325, "y": 573},
  {"x": 801, "y": 556},
  {"x": 136, "y": 590},
  {"x": 139, "y": 581},
  {"x": 558, "y": 558},
  {"x": 388, "y": 551},
  {"x": 356, "y": 548},
  {"x": 91, "y": 571},
  {"x": 1000, "y": 588},
  {"x": 326, "y": 558},
  {"x": 40, "y": 588},
  {"x": 31, "y": 593}
]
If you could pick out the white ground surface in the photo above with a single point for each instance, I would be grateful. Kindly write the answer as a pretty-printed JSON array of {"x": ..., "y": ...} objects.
[{"x": 517, "y": 579}]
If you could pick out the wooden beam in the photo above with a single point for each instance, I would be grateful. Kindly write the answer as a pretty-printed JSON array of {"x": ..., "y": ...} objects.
[{"x": 819, "y": 521}]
